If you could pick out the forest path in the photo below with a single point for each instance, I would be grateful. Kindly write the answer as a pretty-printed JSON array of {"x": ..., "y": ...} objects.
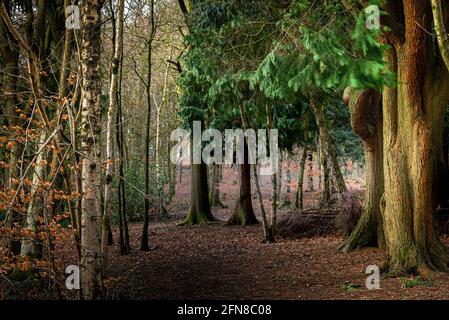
[
  {"x": 224, "y": 262},
  {"x": 230, "y": 262}
]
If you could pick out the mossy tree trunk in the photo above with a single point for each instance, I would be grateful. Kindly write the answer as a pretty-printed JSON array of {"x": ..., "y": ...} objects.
[
  {"x": 412, "y": 135},
  {"x": 366, "y": 120},
  {"x": 200, "y": 211}
]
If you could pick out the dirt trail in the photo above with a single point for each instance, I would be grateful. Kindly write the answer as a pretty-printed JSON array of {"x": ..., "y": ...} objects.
[
  {"x": 230, "y": 262},
  {"x": 222, "y": 262}
]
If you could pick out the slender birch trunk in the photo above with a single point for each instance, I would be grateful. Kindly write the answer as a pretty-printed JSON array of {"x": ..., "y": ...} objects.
[
  {"x": 30, "y": 246},
  {"x": 159, "y": 110},
  {"x": 91, "y": 271},
  {"x": 112, "y": 111}
]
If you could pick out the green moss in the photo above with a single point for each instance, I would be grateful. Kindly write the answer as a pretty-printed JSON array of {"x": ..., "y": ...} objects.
[
  {"x": 198, "y": 217},
  {"x": 349, "y": 286},
  {"x": 412, "y": 282}
]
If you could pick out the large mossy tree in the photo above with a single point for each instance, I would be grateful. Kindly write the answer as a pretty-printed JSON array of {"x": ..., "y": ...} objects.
[
  {"x": 404, "y": 64},
  {"x": 397, "y": 99},
  {"x": 411, "y": 123}
]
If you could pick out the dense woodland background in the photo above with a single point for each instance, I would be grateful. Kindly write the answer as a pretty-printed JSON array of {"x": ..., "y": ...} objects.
[{"x": 86, "y": 116}]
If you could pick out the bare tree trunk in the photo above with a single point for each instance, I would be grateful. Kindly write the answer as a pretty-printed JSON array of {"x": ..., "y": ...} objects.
[
  {"x": 160, "y": 109},
  {"x": 146, "y": 218},
  {"x": 112, "y": 114},
  {"x": 199, "y": 211},
  {"x": 214, "y": 190},
  {"x": 327, "y": 149},
  {"x": 279, "y": 175},
  {"x": 125, "y": 247},
  {"x": 31, "y": 246},
  {"x": 299, "y": 190},
  {"x": 267, "y": 235},
  {"x": 440, "y": 30},
  {"x": 310, "y": 186},
  {"x": 10, "y": 56},
  {"x": 274, "y": 198},
  {"x": 243, "y": 211},
  {"x": 286, "y": 201},
  {"x": 160, "y": 187},
  {"x": 366, "y": 121},
  {"x": 171, "y": 175},
  {"x": 275, "y": 163},
  {"x": 180, "y": 172},
  {"x": 326, "y": 193},
  {"x": 91, "y": 271}
]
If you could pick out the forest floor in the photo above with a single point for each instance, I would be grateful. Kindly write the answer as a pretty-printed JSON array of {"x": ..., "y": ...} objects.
[
  {"x": 223, "y": 262},
  {"x": 218, "y": 261},
  {"x": 230, "y": 262}
]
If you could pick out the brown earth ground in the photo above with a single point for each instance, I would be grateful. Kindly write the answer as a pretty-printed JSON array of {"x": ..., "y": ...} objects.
[{"x": 230, "y": 262}]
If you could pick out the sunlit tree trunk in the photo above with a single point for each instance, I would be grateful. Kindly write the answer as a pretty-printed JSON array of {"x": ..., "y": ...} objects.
[
  {"x": 366, "y": 119},
  {"x": 31, "y": 246},
  {"x": 159, "y": 184},
  {"x": 91, "y": 271},
  {"x": 412, "y": 133}
]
